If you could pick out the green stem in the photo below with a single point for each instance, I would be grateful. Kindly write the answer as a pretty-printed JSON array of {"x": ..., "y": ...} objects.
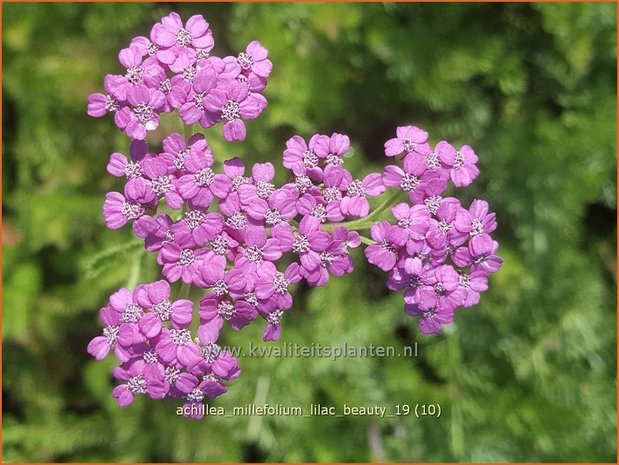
[
  {"x": 134, "y": 273},
  {"x": 366, "y": 240},
  {"x": 188, "y": 131},
  {"x": 183, "y": 292},
  {"x": 368, "y": 221}
]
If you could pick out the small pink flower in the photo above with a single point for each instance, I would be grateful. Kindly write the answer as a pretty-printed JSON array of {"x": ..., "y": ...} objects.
[
  {"x": 355, "y": 203},
  {"x": 332, "y": 149},
  {"x": 262, "y": 187},
  {"x": 155, "y": 231},
  {"x": 136, "y": 381},
  {"x": 410, "y": 139},
  {"x": 272, "y": 287},
  {"x": 432, "y": 318},
  {"x": 462, "y": 162},
  {"x": 119, "y": 166},
  {"x": 389, "y": 239},
  {"x": 142, "y": 116},
  {"x": 198, "y": 227},
  {"x": 302, "y": 159},
  {"x": 171, "y": 32},
  {"x": 162, "y": 180},
  {"x": 258, "y": 250},
  {"x": 119, "y": 209},
  {"x": 414, "y": 220},
  {"x": 308, "y": 242},
  {"x": 176, "y": 346},
  {"x": 480, "y": 254},
  {"x": 214, "y": 311},
  {"x": 101, "y": 104},
  {"x": 181, "y": 260},
  {"x": 176, "y": 149},
  {"x": 234, "y": 103},
  {"x": 193, "y": 95},
  {"x": 202, "y": 184},
  {"x": 280, "y": 207},
  {"x": 254, "y": 60},
  {"x": 155, "y": 298}
]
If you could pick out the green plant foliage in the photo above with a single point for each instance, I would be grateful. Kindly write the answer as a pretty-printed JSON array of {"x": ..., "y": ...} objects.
[{"x": 528, "y": 375}]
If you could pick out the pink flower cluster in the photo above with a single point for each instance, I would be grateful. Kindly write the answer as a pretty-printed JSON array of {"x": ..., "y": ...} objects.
[
  {"x": 236, "y": 226},
  {"x": 437, "y": 251},
  {"x": 231, "y": 231},
  {"x": 173, "y": 70},
  {"x": 150, "y": 336}
]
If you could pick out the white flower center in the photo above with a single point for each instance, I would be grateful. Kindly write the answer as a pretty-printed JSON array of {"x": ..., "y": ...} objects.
[
  {"x": 219, "y": 245},
  {"x": 310, "y": 159},
  {"x": 133, "y": 170},
  {"x": 251, "y": 299},
  {"x": 210, "y": 352},
  {"x": 165, "y": 86},
  {"x": 331, "y": 194},
  {"x": 163, "y": 310},
  {"x": 137, "y": 384},
  {"x": 204, "y": 177},
  {"x": 273, "y": 216},
  {"x": 275, "y": 317},
  {"x": 237, "y": 221},
  {"x": 151, "y": 357},
  {"x": 320, "y": 212},
  {"x": 131, "y": 210},
  {"x": 477, "y": 227},
  {"x": 187, "y": 257},
  {"x": 280, "y": 283},
  {"x": 134, "y": 74},
  {"x": 253, "y": 254},
  {"x": 225, "y": 309},
  {"x": 264, "y": 189},
  {"x": 179, "y": 160},
  {"x": 111, "y": 104},
  {"x": 238, "y": 181},
  {"x": 459, "y": 161},
  {"x": 356, "y": 189},
  {"x": 231, "y": 111},
  {"x": 196, "y": 396},
  {"x": 300, "y": 245},
  {"x": 189, "y": 73},
  {"x": 326, "y": 258},
  {"x": 433, "y": 161},
  {"x": 220, "y": 288},
  {"x": 180, "y": 337},
  {"x": 432, "y": 203},
  {"x": 409, "y": 182},
  {"x": 245, "y": 60},
  {"x": 302, "y": 183},
  {"x": 171, "y": 374},
  {"x": 143, "y": 112},
  {"x": 161, "y": 185},
  {"x": 111, "y": 334},
  {"x": 444, "y": 226},
  {"x": 132, "y": 313},
  {"x": 183, "y": 37},
  {"x": 194, "y": 218},
  {"x": 409, "y": 145}
]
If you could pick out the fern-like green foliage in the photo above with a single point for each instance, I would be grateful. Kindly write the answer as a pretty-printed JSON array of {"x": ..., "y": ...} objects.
[{"x": 528, "y": 375}]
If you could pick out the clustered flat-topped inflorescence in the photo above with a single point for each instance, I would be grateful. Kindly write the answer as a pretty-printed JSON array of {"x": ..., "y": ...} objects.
[{"x": 236, "y": 230}]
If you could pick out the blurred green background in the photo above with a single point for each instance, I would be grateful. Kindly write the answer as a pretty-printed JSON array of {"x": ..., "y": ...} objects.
[{"x": 528, "y": 375}]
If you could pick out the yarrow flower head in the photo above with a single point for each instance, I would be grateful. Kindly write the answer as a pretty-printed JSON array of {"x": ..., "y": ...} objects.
[{"x": 236, "y": 241}]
